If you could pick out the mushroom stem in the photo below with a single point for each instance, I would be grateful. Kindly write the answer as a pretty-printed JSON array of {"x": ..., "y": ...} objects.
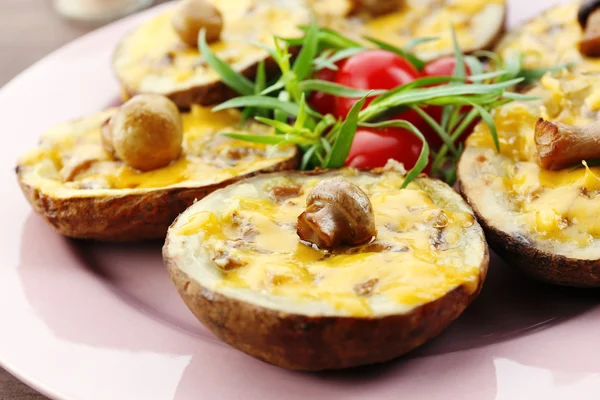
[
  {"x": 560, "y": 145},
  {"x": 589, "y": 19}
]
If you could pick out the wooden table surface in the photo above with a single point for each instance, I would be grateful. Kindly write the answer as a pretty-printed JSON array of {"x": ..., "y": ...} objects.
[{"x": 29, "y": 30}]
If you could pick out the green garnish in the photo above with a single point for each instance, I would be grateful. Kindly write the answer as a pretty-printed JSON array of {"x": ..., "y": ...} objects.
[{"x": 325, "y": 140}]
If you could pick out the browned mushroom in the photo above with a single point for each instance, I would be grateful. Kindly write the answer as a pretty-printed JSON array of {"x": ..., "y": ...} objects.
[
  {"x": 146, "y": 132},
  {"x": 191, "y": 16},
  {"x": 338, "y": 212},
  {"x": 589, "y": 19},
  {"x": 378, "y": 7},
  {"x": 560, "y": 145}
]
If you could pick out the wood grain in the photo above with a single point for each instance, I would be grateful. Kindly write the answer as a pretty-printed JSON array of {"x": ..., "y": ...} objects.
[{"x": 29, "y": 30}]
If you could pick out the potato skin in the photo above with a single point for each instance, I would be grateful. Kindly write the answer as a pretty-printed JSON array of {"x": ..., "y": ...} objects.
[
  {"x": 316, "y": 343},
  {"x": 312, "y": 343},
  {"x": 206, "y": 95},
  {"x": 538, "y": 264},
  {"x": 123, "y": 217}
]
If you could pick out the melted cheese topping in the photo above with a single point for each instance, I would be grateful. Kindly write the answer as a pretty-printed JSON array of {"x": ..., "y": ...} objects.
[
  {"x": 426, "y": 245},
  {"x": 71, "y": 160},
  {"x": 550, "y": 39},
  {"x": 553, "y": 206},
  {"x": 476, "y": 23},
  {"x": 153, "y": 59}
]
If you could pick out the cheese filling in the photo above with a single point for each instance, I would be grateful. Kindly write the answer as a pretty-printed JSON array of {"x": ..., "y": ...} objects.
[
  {"x": 71, "y": 160},
  {"x": 550, "y": 39},
  {"x": 560, "y": 206},
  {"x": 471, "y": 19},
  {"x": 153, "y": 59},
  {"x": 425, "y": 245}
]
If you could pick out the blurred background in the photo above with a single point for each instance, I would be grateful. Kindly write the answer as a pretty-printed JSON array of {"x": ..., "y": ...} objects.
[{"x": 31, "y": 29}]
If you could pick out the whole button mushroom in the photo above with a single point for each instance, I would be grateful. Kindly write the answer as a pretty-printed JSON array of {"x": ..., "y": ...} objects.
[
  {"x": 190, "y": 16},
  {"x": 589, "y": 19},
  {"x": 338, "y": 213},
  {"x": 146, "y": 132}
]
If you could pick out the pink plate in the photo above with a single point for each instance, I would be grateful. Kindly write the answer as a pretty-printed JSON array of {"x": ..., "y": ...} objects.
[{"x": 91, "y": 321}]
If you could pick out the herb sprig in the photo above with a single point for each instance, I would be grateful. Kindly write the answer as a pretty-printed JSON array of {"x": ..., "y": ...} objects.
[{"x": 325, "y": 140}]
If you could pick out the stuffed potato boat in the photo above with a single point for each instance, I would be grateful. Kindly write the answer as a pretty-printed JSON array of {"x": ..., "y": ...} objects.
[
  {"x": 155, "y": 58},
  {"x": 238, "y": 262},
  {"x": 550, "y": 39},
  {"x": 478, "y": 23},
  {"x": 84, "y": 191},
  {"x": 540, "y": 218}
]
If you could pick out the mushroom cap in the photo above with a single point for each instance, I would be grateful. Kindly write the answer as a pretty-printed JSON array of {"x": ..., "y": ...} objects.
[
  {"x": 586, "y": 8},
  {"x": 147, "y": 132},
  {"x": 350, "y": 202}
]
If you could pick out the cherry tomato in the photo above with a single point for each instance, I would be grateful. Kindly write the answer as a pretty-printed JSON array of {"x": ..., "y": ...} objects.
[
  {"x": 372, "y": 148},
  {"x": 372, "y": 69},
  {"x": 443, "y": 66},
  {"x": 322, "y": 102}
]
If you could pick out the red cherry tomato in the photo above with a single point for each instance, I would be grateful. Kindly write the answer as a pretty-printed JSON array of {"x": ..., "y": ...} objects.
[
  {"x": 372, "y": 69},
  {"x": 322, "y": 102},
  {"x": 443, "y": 66},
  {"x": 372, "y": 148}
]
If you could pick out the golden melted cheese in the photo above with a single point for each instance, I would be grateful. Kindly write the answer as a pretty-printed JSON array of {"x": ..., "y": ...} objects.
[
  {"x": 417, "y": 257},
  {"x": 152, "y": 59},
  {"x": 550, "y": 39},
  {"x": 472, "y": 20},
  {"x": 208, "y": 157},
  {"x": 553, "y": 205}
]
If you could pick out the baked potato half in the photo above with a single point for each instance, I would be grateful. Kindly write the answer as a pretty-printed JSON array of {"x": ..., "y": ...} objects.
[
  {"x": 478, "y": 23},
  {"x": 83, "y": 191},
  {"x": 542, "y": 221},
  {"x": 154, "y": 59},
  {"x": 552, "y": 38},
  {"x": 237, "y": 262}
]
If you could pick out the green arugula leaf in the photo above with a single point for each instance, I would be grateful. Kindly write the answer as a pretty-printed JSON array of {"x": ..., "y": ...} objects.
[
  {"x": 532, "y": 75},
  {"x": 307, "y": 157},
  {"x": 275, "y": 55},
  {"x": 280, "y": 114},
  {"x": 263, "y": 139},
  {"x": 303, "y": 64},
  {"x": 439, "y": 95},
  {"x": 520, "y": 96},
  {"x": 489, "y": 121},
  {"x": 302, "y": 114},
  {"x": 341, "y": 147},
  {"x": 459, "y": 66},
  {"x": 423, "y": 160},
  {"x": 316, "y": 85},
  {"x": 328, "y": 58},
  {"x": 414, "y": 60},
  {"x": 278, "y": 125},
  {"x": 412, "y": 43},
  {"x": 229, "y": 76},
  {"x": 437, "y": 128},
  {"x": 260, "y": 102},
  {"x": 261, "y": 78},
  {"x": 475, "y": 66},
  {"x": 332, "y": 39}
]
